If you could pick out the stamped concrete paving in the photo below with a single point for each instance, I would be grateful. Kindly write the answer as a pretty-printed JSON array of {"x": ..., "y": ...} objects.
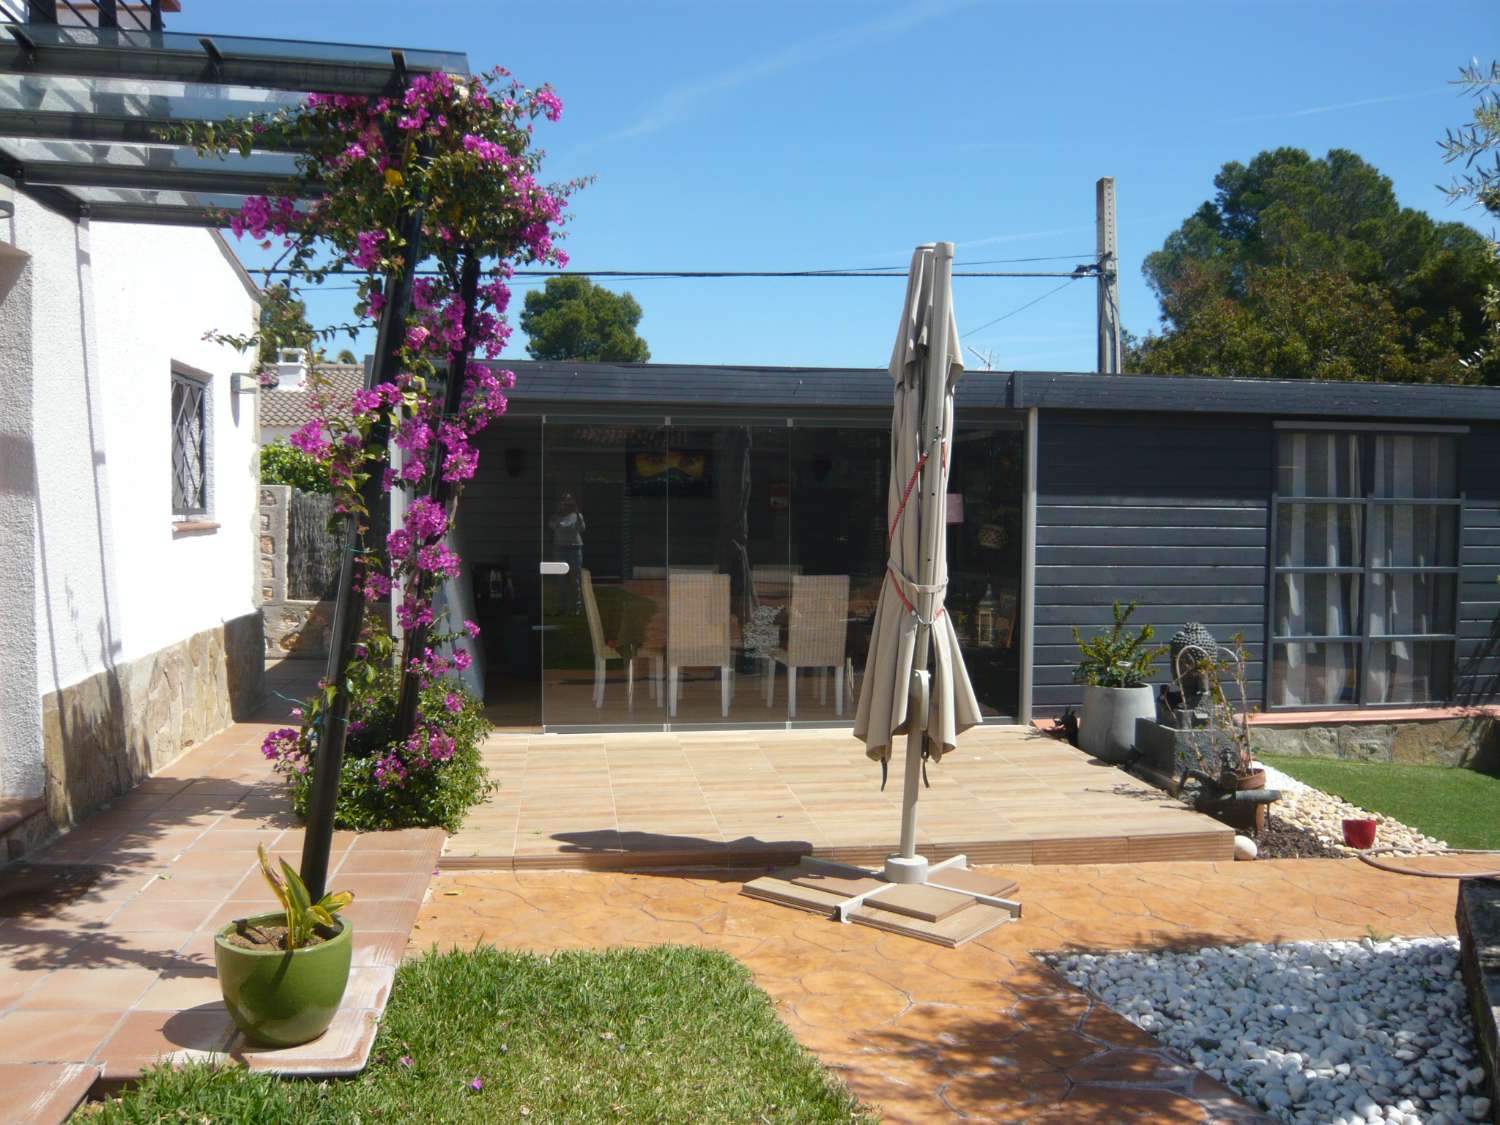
[{"x": 985, "y": 1032}]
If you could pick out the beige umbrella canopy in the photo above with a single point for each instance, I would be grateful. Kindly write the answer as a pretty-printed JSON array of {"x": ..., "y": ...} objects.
[{"x": 911, "y": 625}]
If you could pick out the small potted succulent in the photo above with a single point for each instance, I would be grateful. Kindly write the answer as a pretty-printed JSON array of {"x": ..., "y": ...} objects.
[
  {"x": 1115, "y": 670},
  {"x": 283, "y": 974}
]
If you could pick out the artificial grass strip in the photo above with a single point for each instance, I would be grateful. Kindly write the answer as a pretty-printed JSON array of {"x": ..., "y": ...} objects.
[
  {"x": 1461, "y": 806},
  {"x": 662, "y": 1034}
]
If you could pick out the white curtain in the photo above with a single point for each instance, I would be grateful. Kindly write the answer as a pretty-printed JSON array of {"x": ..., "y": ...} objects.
[
  {"x": 1314, "y": 470},
  {"x": 1411, "y": 467},
  {"x": 1317, "y": 466}
]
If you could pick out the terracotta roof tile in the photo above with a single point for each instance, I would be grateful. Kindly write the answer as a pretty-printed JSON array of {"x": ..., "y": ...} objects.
[{"x": 296, "y": 408}]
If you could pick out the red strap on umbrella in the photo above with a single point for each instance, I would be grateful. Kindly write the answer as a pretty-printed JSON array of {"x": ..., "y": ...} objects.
[{"x": 891, "y": 535}]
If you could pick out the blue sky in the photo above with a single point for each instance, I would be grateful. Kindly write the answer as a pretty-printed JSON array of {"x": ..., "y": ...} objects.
[{"x": 841, "y": 133}]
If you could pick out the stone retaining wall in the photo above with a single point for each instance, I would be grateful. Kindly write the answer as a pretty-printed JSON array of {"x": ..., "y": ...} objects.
[
  {"x": 1471, "y": 740},
  {"x": 104, "y": 735}
]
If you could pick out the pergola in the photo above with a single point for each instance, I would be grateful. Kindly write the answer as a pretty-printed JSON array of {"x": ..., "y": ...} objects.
[{"x": 88, "y": 93}]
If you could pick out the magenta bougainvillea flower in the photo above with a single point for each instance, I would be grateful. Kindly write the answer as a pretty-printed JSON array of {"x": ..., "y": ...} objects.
[{"x": 460, "y": 150}]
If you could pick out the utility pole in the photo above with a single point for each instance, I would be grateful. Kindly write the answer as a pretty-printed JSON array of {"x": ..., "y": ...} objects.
[{"x": 1110, "y": 346}]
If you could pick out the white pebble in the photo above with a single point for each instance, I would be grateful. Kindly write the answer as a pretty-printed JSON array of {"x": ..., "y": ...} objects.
[{"x": 1313, "y": 1032}]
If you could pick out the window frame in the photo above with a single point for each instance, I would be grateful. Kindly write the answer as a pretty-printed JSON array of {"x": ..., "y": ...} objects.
[
  {"x": 1367, "y": 504},
  {"x": 202, "y": 383}
]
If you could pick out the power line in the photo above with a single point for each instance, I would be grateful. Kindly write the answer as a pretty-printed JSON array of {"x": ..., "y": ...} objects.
[
  {"x": 1022, "y": 308},
  {"x": 1085, "y": 269}
]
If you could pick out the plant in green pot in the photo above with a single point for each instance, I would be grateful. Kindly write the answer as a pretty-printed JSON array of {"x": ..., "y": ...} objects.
[
  {"x": 1115, "y": 669},
  {"x": 283, "y": 974}
]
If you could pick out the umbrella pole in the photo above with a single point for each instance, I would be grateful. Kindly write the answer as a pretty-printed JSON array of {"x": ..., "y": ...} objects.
[{"x": 907, "y": 866}]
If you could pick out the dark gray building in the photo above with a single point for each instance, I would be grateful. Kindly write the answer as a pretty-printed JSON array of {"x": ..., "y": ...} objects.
[{"x": 1350, "y": 533}]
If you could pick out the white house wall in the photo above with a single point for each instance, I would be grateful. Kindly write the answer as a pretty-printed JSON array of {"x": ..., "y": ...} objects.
[
  {"x": 158, "y": 290},
  {"x": 124, "y": 641}
]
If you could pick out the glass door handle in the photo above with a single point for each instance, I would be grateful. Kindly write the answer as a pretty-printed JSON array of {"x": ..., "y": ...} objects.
[{"x": 553, "y": 568}]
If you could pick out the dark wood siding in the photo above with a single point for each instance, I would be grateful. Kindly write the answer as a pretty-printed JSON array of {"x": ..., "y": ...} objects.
[
  {"x": 1479, "y": 594},
  {"x": 1169, "y": 513}
]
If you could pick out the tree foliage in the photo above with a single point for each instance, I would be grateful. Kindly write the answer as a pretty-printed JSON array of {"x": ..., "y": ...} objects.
[
  {"x": 1304, "y": 268},
  {"x": 572, "y": 318},
  {"x": 281, "y": 463},
  {"x": 283, "y": 324},
  {"x": 1476, "y": 145}
]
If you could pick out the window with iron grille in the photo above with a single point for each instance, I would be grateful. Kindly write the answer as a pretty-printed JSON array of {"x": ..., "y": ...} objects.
[{"x": 189, "y": 446}]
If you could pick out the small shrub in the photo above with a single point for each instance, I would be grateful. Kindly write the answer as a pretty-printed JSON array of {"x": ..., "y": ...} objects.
[
  {"x": 1118, "y": 658},
  {"x": 281, "y": 463},
  {"x": 431, "y": 780}
]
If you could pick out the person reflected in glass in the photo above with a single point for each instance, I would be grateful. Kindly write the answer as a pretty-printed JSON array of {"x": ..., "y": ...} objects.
[{"x": 567, "y": 544}]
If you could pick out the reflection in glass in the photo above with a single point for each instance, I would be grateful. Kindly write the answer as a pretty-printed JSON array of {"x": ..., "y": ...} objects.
[
  {"x": 1407, "y": 602},
  {"x": 1409, "y": 671},
  {"x": 1308, "y": 674},
  {"x": 1414, "y": 535},
  {"x": 604, "y": 621},
  {"x": 1318, "y": 464},
  {"x": 1317, "y": 605},
  {"x": 1319, "y": 534}
]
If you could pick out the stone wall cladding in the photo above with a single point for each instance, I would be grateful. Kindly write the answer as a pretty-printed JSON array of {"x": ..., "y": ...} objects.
[
  {"x": 1471, "y": 741},
  {"x": 292, "y": 628},
  {"x": 104, "y": 735}
]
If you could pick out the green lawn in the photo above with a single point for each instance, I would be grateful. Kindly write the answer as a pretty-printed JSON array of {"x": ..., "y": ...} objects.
[
  {"x": 1457, "y": 805},
  {"x": 665, "y": 1034}
]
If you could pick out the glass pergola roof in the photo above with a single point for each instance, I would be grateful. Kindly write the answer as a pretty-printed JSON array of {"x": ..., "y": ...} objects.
[{"x": 83, "y": 109}]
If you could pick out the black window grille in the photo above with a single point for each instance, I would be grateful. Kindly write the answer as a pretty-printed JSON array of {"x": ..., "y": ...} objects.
[{"x": 189, "y": 447}]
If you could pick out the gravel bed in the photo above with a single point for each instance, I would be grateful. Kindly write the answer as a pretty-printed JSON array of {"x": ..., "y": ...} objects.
[
  {"x": 1283, "y": 840},
  {"x": 1315, "y": 1033},
  {"x": 1322, "y": 814}
]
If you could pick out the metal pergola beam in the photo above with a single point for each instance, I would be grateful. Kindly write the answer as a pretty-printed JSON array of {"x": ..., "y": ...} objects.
[
  {"x": 149, "y": 62},
  {"x": 94, "y": 128},
  {"x": 144, "y": 178}
]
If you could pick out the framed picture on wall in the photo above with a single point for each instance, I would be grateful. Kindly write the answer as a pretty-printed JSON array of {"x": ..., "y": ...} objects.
[{"x": 676, "y": 472}]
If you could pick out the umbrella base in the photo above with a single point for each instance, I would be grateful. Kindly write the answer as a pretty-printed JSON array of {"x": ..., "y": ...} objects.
[
  {"x": 906, "y": 869},
  {"x": 953, "y": 906}
]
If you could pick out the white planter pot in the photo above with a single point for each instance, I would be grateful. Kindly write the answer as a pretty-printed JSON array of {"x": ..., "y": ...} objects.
[{"x": 1106, "y": 729}]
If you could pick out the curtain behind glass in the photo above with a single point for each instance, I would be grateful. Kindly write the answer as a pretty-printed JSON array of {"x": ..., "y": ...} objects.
[{"x": 1321, "y": 465}]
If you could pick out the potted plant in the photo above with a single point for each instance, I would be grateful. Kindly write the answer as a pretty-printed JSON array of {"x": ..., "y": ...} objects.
[
  {"x": 283, "y": 974},
  {"x": 1116, "y": 672}
]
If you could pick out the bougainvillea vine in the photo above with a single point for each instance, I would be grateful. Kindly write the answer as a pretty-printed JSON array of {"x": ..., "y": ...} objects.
[{"x": 458, "y": 151}]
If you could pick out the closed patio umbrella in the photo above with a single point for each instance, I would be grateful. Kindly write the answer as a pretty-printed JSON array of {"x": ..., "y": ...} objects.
[{"x": 915, "y": 682}]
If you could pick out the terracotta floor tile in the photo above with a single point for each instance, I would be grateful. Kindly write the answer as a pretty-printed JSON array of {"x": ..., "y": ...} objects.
[
  {"x": 89, "y": 989},
  {"x": 179, "y": 991},
  {"x": 54, "y": 1036},
  {"x": 15, "y": 983},
  {"x": 139, "y": 949},
  {"x": 144, "y": 1037},
  {"x": 44, "y": 1092},
  {"x": 161, "y": 915}
]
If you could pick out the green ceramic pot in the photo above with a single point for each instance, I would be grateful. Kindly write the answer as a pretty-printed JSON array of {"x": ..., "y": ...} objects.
[{"x": 280, "y": 998}]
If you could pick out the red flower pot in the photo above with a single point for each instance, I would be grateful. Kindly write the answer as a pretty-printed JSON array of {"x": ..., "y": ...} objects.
[{"x": 1359, "y": 833}]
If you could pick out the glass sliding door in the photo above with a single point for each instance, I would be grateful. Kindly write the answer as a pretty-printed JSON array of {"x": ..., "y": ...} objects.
[
  {"x": 984, "y": 560},
  {"x": 728, "y": 582},
  {"x": 722, "y": 571},
  {"x": 604, "y": 581},
  {"x": 838, "y": 553}
]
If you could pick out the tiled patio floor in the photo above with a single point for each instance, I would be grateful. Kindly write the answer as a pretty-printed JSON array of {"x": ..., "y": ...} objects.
[
  {"x": 1006, "y": 795},
  {"x": 985, "y": 1032},
  {"x": 106, "y": 936}
]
